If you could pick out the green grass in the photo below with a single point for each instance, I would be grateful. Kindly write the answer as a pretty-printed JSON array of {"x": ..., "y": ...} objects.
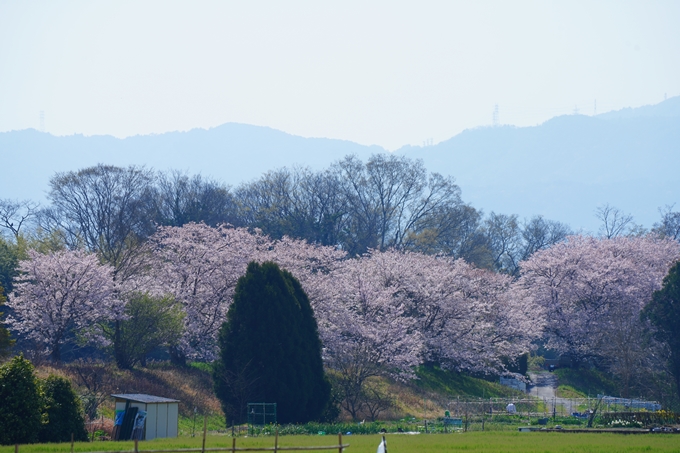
[
  {"x": 587, "y": 382},
  {"x": 203, "y": 366},
  {"x": 451, "y": 383},
  {"x": 488, "y": 442},
  {"x": 187, "y": 425},
  {"x": 567, "y": 391}
]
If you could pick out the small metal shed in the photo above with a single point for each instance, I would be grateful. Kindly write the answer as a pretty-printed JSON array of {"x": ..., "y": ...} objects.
[{"x": 161, "y": 413}]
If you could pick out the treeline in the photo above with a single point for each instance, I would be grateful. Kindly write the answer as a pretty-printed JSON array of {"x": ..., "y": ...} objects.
[
  {"x": 389, "y": 201},
  {"x": 400, "y": 271}
]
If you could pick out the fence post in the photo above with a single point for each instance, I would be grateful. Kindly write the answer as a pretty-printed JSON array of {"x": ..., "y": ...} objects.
[
  {"x": 554, "y": 410},
  {"x": 205, "y": 430},
  {"x": 276, "y": 441},
  {"x": 233, "y": 445},
  {"x": 71, "y": 442},
  {"x": 16, "y": 448},
  {"x": 136, "y": 446},
  {"x": 339, "y": 442}
]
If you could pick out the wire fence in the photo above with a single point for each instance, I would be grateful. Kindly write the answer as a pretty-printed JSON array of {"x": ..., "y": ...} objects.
[
  {"x": 340, "y": 447},
  {"x": 534, "y": 406}
]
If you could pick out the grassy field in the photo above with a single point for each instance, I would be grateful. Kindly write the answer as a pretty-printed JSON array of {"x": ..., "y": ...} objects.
[
  {"x": 585, "y": 382},
  {"x": 451, "y": 384},
  {"x": 491, "y": 442}
]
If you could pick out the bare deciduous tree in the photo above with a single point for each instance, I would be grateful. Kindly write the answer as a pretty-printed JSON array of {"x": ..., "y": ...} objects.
[
  {"x": 16, "y": 214},
  {"x": 669, "y": 226},
  {"x": 614, "y": 221},
  {"x": 388, "y": 197},
  {"x": 104, "y": 208},
  {"x": 181, "y": 199}
]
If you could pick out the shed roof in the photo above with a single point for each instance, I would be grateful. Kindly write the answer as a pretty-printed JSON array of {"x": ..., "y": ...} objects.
[{"x": 143, "y": 398}]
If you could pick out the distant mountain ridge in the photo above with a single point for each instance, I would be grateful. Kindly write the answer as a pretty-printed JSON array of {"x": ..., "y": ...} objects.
[
  {"x": 562, "y": 169},
  {"x": 569, "y": 165},
  {"x": 670, "y": 108},
  {"x": 232, "y": 153}
]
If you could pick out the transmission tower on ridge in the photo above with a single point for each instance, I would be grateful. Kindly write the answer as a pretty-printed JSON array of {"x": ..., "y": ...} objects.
[{"x": 496, "y": 120}]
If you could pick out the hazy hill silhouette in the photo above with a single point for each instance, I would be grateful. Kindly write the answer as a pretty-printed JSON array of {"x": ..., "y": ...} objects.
[
  {"x": 562, "y": 169},
  {"x": 231, "y": 153},
  {"x": 569, "y": 165}
]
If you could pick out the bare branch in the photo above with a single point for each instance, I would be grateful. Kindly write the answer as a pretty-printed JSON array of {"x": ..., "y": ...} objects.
[
  {"x": 15, "y": 214},
  {"x": 614, "y": 221}
]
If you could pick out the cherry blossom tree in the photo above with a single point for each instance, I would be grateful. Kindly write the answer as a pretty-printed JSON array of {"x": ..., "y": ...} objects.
[
  {"x": 309, "y": 263},
  {"x": 199, "y": 266},
  {"x": 386, "y": 312},
  {"x": 592, "y": 291},
  {"x": 471, "y": 318},
  {"x": 381, "y": 313},
  {"x": 300, "y": 257},
  {"x": 363, "y": 326},
  {"x": 61, "y": 293}
]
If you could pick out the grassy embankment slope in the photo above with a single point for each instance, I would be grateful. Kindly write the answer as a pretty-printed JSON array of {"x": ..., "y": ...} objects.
[
  {"x": 192, "y": 386},
  {"x": 581, "y": 383},
  {"x": 424, "y": 397}
]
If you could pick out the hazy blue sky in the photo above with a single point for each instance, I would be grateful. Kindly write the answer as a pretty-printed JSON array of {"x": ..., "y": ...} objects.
[{"x": 387, "y": 73}]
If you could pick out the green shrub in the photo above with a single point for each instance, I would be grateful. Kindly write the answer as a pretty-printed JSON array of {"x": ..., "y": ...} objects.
[
  {"x": 20, "y": 403},
  {"x": 63, "y": 413}
]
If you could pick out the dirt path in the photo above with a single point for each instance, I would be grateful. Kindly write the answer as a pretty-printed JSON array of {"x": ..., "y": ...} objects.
[{"x": 544, "y": 385}]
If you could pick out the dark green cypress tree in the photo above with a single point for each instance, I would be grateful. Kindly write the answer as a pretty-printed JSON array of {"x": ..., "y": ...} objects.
[
  {"x": 63, "y": 412},
  {"x": 270, "y": 349},
  {"x": 20, "y": 403},
  {"x": 319, "y": 385},
  {"x": 6, "y": 342},
  {"x": 663, "y": 311}
]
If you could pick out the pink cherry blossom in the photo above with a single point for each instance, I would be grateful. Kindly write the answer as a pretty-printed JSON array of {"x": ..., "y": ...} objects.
[
  {"x": 61, "y": 293},
  {"x": 200, "y": 265},
  {"x": 591, "y": 289}
]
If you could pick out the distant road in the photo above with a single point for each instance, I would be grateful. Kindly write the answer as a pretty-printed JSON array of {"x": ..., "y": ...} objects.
[{"x": 545, "y": 385}]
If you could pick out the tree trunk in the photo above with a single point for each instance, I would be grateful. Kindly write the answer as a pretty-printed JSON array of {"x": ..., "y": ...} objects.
[
  {"x": 177, "y": 357},
  {"x": 56, "y": 352},
  {"x": 122, "y": 359}
]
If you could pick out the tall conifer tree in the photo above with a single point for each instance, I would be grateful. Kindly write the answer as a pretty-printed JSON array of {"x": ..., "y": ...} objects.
[
  {"x": 664, "y": 313},
  {"x": 6, "y": 342},
  {"x": 270, "y": 349}
]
